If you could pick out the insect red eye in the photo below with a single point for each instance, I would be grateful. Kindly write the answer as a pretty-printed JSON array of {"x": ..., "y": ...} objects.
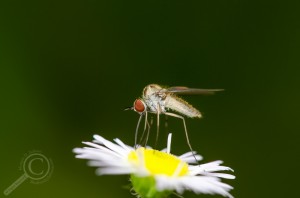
[{"x": 139, "y": 106}]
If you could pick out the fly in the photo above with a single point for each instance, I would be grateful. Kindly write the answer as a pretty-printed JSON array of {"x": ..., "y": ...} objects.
[{"x": 158, "y": 100}]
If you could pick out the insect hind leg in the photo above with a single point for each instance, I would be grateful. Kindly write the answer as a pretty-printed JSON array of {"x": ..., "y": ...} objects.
[{"x": 185, "y": 130}]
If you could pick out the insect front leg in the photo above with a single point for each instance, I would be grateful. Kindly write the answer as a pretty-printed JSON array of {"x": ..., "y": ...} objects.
[
  {"x": 146, "y": 121},
  {"x": 137, "y": 130},
  {"x": 146, "y": 124}
]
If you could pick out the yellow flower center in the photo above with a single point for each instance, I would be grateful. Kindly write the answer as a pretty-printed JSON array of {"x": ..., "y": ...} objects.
[{"x": 157, "y": 162}]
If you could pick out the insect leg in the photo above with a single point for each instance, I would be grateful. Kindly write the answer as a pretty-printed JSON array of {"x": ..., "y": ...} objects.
[
  {"x": 147, "y": 133},
  {"x": 157, "y": 126},
  {"x": 151, "y": 121},
  {"x": 137, "y": 130},
  {"x": 166, "y": 124},
  {"x": 146, "y": 120},
  {"x": 142, "y": 136},
  {"x": 185, "y": 130}
]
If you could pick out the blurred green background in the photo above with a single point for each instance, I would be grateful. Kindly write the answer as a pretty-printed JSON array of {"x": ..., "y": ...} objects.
[{"x": 69, "y": 68}]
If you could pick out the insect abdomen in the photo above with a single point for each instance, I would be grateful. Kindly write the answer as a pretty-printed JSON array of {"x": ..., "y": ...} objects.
[{"x": 179, "y": 105}]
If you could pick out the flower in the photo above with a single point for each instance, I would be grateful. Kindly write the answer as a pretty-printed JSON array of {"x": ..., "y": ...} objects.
[{"x": 156, "y": 173}]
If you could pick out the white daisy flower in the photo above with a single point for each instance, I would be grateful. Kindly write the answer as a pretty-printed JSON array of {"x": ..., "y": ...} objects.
[{"x": 156, "y": 173}]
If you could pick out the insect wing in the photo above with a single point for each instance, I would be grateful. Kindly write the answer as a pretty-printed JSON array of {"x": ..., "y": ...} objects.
[{"x": 191, "y": 91}]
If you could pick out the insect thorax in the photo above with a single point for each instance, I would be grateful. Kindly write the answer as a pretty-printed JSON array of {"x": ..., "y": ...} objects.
[
  {"x": 155, "y": 104},
  {"x": 154, "y": 98}
]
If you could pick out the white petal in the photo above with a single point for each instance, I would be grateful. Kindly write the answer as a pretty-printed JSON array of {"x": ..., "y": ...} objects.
[
  {"x": 190, "y": 153},
  {"x": 114, "y": 147},
  {"x": 169, "y": 143},
  {"x": 212, "y": 164},
  {"x": 105, "y": 164},
  {"x": 218, "y": 168},
  {"x": 207, "y": 168},
  {"x": 99, "y": 138},
  {"x": 221, "y": 175},
  {"x": 191, "y": 159},
  {"x": 113, "y": 171},
  {"x": 91, "y": 153},
  {"x": 168, "y": 183},
  {"x": 178, "y": 169},
  {"x": 124, "y": 146},
  {"x": 93, "y": 145},
  {"x": 208, "y": 185}
]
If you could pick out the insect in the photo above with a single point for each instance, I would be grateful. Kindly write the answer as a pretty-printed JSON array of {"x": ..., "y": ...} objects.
[{"x": 158, "y": 100}]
